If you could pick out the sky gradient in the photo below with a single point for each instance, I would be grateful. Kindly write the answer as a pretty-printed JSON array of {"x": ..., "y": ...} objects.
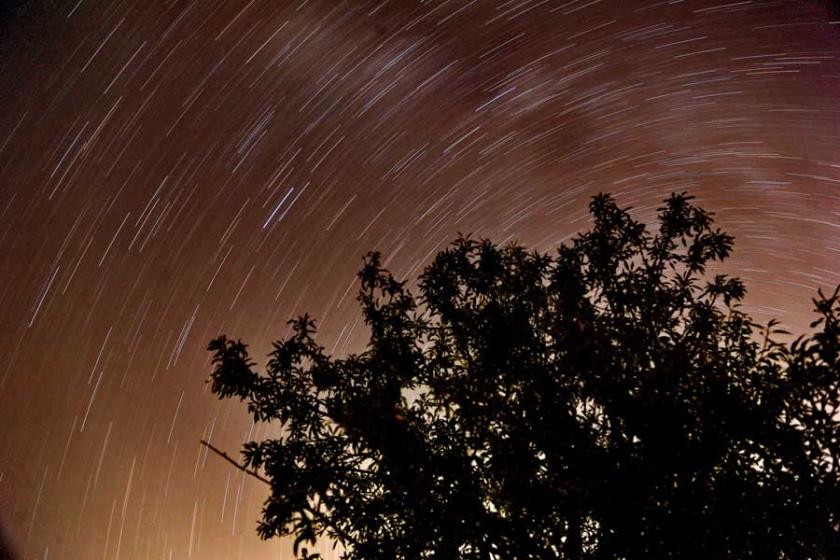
[{"x": 171, "y": 171}]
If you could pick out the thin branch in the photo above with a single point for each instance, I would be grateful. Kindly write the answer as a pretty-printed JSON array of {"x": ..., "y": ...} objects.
[
  {"x": 227, "y": 458},
  {"x": 317, "y": 514}
]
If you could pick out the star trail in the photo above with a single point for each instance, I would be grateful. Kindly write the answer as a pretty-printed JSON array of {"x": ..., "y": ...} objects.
[{"x": 171, "y": 171}]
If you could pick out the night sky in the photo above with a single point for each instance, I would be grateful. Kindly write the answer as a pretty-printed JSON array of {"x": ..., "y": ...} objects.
[{"x": 171, "y": 171}]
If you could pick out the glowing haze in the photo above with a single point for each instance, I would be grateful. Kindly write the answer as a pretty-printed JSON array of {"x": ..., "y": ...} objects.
[{"x": 170, "y": 171}]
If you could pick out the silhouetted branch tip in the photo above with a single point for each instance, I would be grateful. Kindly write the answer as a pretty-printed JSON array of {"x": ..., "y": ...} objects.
[{"x": 233, "y": 462}]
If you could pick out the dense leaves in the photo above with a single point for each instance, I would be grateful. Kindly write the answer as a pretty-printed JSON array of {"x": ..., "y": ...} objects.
[{"x": 608, "y": 401}]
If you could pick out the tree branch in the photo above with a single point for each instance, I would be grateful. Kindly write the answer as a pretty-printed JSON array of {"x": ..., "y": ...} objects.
[
  {"x": 227, "y": 458},
  {"x": 317, "y": 514}
]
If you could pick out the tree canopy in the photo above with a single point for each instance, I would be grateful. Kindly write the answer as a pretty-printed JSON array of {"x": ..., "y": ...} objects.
[{"x": 610, "y": 400}]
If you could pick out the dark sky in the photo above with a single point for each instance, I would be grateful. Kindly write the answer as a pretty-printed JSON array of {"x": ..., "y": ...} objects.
[{"x": 170, "y": 171}]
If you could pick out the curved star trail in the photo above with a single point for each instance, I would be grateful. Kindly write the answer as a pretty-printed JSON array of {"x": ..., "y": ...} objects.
[{"x": 170, "y": 171}]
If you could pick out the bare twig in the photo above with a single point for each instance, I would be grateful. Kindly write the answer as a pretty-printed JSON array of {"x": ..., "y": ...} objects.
[
  {"x": 320, "y": 517},
  {"x": 227, "y": 458}
]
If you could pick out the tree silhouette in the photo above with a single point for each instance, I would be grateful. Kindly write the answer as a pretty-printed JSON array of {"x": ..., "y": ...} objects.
[{"x": 609, "y": 401}]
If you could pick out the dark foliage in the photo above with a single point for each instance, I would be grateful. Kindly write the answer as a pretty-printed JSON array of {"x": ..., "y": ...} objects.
[{"x": 610, "y": 401}]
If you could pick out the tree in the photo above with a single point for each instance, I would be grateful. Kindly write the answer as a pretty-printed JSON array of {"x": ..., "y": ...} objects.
[{"x": 609, "y": 401}]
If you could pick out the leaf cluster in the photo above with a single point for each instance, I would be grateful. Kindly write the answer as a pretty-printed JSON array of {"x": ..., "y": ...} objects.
[{"x": 607, "y": 401}]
